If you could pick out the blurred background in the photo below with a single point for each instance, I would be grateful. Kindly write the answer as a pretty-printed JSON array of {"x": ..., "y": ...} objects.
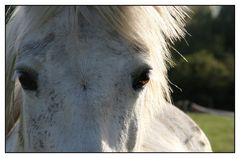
[{"x": 204, "y": 85}]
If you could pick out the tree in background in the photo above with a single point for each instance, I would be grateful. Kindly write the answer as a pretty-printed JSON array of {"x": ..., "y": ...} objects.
[{"x": 208, "y": 76}]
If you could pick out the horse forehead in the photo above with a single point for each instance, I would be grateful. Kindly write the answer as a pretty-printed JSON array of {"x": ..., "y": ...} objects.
[
  {"x": 90, "y": 40},
  {"x": 83, "y": 36}
]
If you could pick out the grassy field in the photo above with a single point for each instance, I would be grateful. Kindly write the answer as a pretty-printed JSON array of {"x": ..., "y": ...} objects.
[{"x": 219, "y": 130}]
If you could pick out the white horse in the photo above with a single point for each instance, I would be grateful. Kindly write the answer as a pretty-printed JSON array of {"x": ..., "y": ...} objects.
[{"x": 94, "y": 79}]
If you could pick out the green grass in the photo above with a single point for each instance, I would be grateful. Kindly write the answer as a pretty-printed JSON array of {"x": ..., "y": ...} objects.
[{"x": 219, "y": 130}]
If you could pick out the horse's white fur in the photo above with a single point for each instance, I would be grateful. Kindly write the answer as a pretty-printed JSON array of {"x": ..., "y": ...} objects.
[{"x": 85, "y": 101}]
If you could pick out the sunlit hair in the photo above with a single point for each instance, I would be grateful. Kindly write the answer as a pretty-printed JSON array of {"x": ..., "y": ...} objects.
[{"x": 152, "y": 29}]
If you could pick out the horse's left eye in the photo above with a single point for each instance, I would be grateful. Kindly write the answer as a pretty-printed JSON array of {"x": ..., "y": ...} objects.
[
  {"x": 28, "y": 80},
  {"x": 141, "y": 79}
]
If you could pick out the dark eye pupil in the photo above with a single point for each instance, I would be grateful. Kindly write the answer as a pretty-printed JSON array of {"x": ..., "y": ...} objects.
[
  {"x": 140, "y": 81},
  {"x": 27, "y": 81}
]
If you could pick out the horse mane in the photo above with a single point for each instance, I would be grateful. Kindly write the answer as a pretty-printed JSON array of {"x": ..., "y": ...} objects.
[{"x": 154, "y": 27}]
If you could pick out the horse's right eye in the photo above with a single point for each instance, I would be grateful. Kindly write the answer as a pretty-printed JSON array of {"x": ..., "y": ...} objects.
[{"x": 28, "y": 80}]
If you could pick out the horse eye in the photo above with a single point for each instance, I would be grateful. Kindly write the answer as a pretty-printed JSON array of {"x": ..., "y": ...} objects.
[
  {"x": 28, "y": 80},
  {"x": 141, "y": 79}
]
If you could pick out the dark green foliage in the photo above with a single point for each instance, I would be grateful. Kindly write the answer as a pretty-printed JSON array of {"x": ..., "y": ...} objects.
[{"x": 208, "y": 78}]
